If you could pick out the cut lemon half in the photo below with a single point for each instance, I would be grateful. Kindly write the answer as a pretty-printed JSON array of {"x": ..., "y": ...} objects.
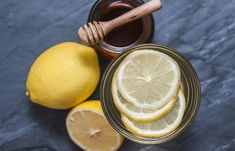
[
  {"x": 148, "y": 79},
  {"x": 136, "y": 113},
  {"x": 88, "y": 128},
  {"x": 160, "y": 127}
]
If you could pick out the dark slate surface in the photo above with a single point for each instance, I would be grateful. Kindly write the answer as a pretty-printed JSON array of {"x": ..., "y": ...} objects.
[{"x": 203, "y": 30}]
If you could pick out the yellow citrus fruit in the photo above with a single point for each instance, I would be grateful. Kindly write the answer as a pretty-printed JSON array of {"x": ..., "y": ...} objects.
[
  {"x": 63, "y": 76},
  {"x": 149, "y": 79},
  {"x": 88, "y": 128},
  {"x": 159, "y": 127},
  {"x": 136, "y": 113}
]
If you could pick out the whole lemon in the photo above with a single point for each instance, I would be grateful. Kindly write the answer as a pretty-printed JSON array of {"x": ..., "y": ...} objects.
[{"x": 63, "y": 76}]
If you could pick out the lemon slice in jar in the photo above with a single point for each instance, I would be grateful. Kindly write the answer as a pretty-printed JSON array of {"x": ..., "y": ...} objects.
[
  {"x": 136, "y": 113},
  {"x": 159, "y": 127},
  {"x": 148, "y": 79}
]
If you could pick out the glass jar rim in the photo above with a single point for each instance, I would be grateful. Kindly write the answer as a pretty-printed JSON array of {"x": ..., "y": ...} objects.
[{"x": 110, "y": 51}]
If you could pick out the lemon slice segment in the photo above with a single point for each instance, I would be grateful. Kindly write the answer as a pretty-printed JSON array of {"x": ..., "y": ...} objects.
[
  {"x": 88, "y": 128},
  {"x": 160, "y": 127},
  {"x": 148, "y": 79},
  {"x": 136, "y": 113}
]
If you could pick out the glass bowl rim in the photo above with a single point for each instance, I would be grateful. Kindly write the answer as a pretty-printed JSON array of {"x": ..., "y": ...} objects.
[{"x": 185, "y": 125}]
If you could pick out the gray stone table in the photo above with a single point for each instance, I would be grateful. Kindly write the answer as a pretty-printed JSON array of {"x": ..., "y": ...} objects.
[{"x": 203, "y": 30}]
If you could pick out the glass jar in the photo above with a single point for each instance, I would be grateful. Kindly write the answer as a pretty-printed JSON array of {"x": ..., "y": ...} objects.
[
  {"x": 190, "y": 84},
  {"x": 126, "y": 36}
]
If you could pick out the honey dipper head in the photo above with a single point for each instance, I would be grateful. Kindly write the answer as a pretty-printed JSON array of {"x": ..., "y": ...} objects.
[
  {"x": 83, "y": 36},
  {"x": 91, "y": 33}
]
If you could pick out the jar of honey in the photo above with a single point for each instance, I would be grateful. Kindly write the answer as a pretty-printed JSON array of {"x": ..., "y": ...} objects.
[{"x": 126, "y": 36}]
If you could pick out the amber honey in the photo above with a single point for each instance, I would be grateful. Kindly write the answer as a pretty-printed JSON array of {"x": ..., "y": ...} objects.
[
  {"x": 126, "y": 34},
  {"x": 137, "y": 32}
]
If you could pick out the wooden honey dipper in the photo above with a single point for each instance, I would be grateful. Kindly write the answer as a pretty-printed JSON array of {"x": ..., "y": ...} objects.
[{"x": 95, "y": 31}]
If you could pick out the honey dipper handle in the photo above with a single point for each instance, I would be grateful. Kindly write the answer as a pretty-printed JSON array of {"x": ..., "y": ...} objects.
[
  {"x": 134, "y": 14},
  {"x": 94, "y": 32}
]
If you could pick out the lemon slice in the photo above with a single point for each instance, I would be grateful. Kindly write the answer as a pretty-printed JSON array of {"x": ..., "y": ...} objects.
[
  {"x": 160, "y": 127},
  {"x": 88, "y": 128},
  {"x": 148, "y": 79},
  {"x": 136, "y": 113}
]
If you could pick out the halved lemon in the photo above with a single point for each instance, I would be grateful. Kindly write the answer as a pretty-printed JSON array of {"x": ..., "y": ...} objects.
[
  {"x": 88, "y": 128},
  {"x": 160, "y": 127},
  {"x": 136, "y": 113},
  {"x": 148, "y": 79}
]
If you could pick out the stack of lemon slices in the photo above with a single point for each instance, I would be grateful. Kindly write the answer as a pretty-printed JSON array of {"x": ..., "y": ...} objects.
[{"x": 146, "y": 90}]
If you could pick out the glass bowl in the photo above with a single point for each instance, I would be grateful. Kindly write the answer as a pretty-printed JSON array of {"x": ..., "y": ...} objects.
[{"x": 190, "y": 85}]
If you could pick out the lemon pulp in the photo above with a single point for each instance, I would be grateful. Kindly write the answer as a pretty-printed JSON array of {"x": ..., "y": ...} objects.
[
  {"x": 148, "y": 79},
  {"x": 89, "y": 129}
]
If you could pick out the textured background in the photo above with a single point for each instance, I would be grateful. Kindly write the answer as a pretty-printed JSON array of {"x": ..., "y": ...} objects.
[{"x": 203, "y": 30}]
